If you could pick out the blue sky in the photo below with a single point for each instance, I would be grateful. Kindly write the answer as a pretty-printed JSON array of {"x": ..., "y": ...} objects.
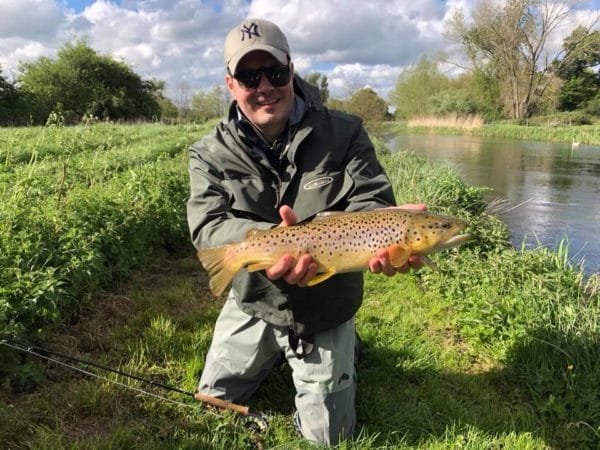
[
  {"x": 355, "y": 43},
  {"x": 78, "y": 5}
]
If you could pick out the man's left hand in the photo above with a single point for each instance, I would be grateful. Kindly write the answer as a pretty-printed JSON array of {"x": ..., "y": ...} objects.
[{"x": 381, "y": 263}]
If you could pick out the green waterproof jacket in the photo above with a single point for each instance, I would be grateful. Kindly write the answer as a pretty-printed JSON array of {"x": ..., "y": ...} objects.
[{"x": 329, "y": 164}]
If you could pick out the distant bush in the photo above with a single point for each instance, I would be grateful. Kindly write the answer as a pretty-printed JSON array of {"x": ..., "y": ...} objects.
[
  {"x": 593, "y": 107},
  {"x": 454, "y": 102},
  {"x": 560, "y": 119},
  {"x": 81, "y": 82},
  {"x": 364, "y": 103}
]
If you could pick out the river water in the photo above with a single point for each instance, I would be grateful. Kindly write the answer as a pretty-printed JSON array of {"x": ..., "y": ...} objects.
[{"x": 556, "y": 186}]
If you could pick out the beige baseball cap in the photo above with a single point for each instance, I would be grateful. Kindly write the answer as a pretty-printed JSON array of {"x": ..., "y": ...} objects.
[{"x": 255, "y": 34}]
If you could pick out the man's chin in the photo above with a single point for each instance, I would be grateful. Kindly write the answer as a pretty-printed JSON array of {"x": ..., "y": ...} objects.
[
  {"x": 269, "y": 111},
  {"x": 268, "y": 119}
]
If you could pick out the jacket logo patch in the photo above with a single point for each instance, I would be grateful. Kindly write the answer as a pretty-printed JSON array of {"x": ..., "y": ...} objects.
[{"x": 319, "y": 182}]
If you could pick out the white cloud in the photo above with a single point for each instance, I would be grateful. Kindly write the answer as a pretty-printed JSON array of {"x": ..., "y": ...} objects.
[
  {"x": 346, "y": 78},
  {"x": 16, "y": 50},
  {"x": 38, "y": 19},
  {"x": 356, "y": 43}
]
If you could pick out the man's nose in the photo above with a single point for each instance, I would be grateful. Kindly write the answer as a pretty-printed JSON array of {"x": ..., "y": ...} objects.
[{"x": 264, "y": 84}]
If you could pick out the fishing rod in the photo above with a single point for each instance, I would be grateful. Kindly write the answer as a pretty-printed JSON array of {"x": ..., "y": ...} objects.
[{"x": 253, "y": 421}]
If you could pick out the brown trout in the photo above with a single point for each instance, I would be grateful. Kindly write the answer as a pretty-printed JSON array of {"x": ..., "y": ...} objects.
[{"x": 339, "y": 242}]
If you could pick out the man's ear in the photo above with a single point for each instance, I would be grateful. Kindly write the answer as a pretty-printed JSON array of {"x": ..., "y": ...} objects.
[{"x": 230, "y": 82}]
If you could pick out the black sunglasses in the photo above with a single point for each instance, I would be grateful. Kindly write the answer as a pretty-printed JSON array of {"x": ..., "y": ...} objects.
[{"x": 278, "y": 76}]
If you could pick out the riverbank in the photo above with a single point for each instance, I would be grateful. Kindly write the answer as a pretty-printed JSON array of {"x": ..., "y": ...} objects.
[
  {"x": 498, "y": 349},
  {"x": 580, "y": 134}
]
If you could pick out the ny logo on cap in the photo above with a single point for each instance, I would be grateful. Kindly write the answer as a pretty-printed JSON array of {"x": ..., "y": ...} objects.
[{"x": 249, "y": 31}]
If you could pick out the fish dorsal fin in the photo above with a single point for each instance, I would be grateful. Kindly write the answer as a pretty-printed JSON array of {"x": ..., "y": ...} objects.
[{"x": 327, "y": 214}]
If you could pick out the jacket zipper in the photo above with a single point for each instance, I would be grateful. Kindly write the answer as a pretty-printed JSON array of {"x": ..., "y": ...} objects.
[{"x": 277, "y": 191}]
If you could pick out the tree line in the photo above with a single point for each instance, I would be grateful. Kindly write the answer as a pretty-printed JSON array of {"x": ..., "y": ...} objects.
[{"x": 507, "y": 72}]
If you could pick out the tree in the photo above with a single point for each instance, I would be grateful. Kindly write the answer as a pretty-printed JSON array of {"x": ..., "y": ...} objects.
[
  {"x": 485, "y": 88},
  {"x": 579, "y": 69},
  {"x": 8, "y": 99},
  {"x": 579, "y": 90},
  {"x": 211, "y": 104},
  {"x": 81, "y": 82},
  {"x": 168, "y": 110},
  {"x": 415, "y": 86},
  {"x": 319, "y": 80},
  {"x": 336, "y": 103},
  {"x": 184, "y": 94},
  {"x": 582, "y": 52},
  {"x": 513, "y": 38}
]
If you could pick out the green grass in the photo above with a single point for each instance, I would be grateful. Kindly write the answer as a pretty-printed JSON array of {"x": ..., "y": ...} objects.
[
  {"x": 498, "y": 349},
  {"x": 81, "y": 208},
  {"x": 425, "y": 381}
]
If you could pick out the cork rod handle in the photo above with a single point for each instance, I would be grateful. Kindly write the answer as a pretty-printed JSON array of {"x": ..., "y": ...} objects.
[{"x": 223, "y": 404}]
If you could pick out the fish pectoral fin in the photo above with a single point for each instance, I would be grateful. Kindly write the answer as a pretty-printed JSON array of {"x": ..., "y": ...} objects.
[
  {"x": 429, "y": 262},
  {"x": 399, "y": 254},
  {"x": 320, "y": 277}
]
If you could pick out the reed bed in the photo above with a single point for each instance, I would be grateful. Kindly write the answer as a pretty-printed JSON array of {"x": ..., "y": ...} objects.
[{"x": 464, "y": 122}]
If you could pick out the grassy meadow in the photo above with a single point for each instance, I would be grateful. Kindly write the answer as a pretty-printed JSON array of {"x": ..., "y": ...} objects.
[{"x": 498, "y": 349}]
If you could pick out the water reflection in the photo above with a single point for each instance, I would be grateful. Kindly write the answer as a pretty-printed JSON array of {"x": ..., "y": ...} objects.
[{"x": 558, "y": 186}]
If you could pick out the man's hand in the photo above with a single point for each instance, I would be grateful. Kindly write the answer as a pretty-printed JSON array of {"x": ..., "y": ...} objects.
[
  {"x": 292, "y": 271},
  {"x": 380, "y": 263}
]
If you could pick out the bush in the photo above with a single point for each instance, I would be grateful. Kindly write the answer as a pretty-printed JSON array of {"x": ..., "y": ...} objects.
[
  {"x": 457, "y": 101},
  {"x": 567, "y": 118},
  {"x": 593, "y": 107}
]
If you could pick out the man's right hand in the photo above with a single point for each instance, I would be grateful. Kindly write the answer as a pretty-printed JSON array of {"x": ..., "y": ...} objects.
[{"x": 381, "y": 263}]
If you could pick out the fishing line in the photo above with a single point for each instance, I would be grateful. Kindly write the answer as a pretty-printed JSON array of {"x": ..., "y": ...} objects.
[
  {"x": 30, "y": 349},
  {"x": 253, "y": 421}
]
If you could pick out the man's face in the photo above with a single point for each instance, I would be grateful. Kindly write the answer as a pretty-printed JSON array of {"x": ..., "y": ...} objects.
[{"x": 266, "y": 106}]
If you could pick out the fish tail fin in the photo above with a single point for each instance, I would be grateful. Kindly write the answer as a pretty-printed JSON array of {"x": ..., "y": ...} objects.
[{"x": 219, "y": 267}]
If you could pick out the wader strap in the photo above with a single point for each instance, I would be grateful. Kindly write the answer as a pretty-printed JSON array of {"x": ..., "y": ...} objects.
[{"x": 302, "y": 346}]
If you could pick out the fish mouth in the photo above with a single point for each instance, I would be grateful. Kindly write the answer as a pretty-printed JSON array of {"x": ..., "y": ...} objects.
[{"x": 454, "y": 241}]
